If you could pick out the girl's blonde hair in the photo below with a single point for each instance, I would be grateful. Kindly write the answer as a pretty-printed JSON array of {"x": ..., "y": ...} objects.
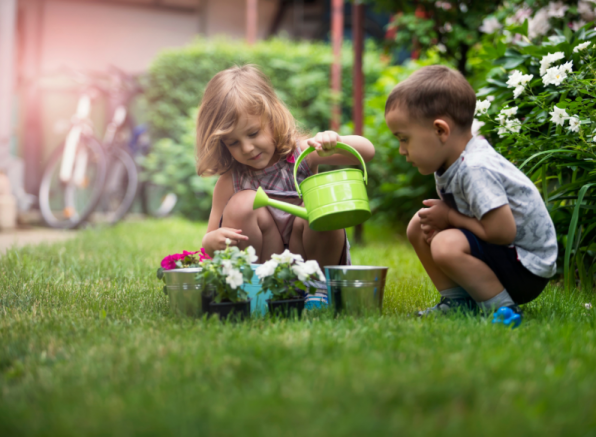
[{"x": 230, "y": 93}]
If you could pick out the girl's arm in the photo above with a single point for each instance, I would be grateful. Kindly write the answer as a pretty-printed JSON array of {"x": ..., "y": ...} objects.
[
  {"x": 325, "y": 143},
  {"x": 215, "y": 237}
]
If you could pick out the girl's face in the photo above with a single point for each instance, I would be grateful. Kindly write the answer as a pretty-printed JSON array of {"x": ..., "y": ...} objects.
[{"x": 251, "y": 142}]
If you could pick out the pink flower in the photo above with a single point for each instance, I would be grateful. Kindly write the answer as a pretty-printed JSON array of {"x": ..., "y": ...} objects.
[
  {"x": 291, "y": 159},
  {"x": 169, "y": 262}
]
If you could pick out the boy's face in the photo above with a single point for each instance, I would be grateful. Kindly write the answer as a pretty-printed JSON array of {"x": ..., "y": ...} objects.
[
  {"x": 419, "y": 142},
  {"x": 251, "y": 142}
]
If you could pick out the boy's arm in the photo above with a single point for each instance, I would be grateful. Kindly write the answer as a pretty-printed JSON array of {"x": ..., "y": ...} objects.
[
  {"x": 496, "y": 226},
  {"x": 325, "y": 143}
]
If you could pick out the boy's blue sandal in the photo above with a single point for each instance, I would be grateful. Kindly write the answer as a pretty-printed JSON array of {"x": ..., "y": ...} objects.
[
  {"x": 451, "y": 305},
  {"x": 509, "y": 316}
]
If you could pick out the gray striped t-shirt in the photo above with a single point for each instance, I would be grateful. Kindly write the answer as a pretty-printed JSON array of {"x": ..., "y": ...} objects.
[{"x": 482, "y": 180}]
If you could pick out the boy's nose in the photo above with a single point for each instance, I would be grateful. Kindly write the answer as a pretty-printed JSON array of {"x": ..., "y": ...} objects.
[{"x": 402, "y": 150}]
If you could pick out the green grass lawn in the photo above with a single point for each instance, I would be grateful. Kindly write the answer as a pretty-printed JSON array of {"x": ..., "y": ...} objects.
[{"x": 88, "y": 347}]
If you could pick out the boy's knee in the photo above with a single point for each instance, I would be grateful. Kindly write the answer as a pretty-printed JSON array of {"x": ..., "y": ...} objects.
[
  {"x": 447, "y": 245},
  {"x": 413, "y": 231}
]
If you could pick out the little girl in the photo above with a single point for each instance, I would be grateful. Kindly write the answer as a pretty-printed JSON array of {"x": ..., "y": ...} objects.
[{"x": 247, "y": 136}]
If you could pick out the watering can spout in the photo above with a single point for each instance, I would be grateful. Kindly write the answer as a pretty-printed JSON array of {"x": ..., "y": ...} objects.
[{"x": 261, "y": 199}]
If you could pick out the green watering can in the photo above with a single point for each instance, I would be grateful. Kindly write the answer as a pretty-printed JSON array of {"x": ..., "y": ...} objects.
[{"x": 333, "y": 200}]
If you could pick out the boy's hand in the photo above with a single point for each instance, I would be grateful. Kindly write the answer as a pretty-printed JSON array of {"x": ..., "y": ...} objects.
[
  {"x": 324, "y": 142},
  {"x": 436, "y": 216},
  {"x": 429, "y": 232}
]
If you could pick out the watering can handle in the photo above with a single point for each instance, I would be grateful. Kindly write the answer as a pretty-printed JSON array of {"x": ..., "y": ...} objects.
[{"x": 339, "y": 146}]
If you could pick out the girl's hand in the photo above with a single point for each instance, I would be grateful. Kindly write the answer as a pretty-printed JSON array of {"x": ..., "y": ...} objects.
[
  {"x": 216, "y": 240},
  {"x": 436, "y": 216},
  {"x": 324, "y": 142}
]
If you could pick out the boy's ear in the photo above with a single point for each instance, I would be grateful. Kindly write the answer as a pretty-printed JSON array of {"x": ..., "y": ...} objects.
[{"x": 442, "y": 129}]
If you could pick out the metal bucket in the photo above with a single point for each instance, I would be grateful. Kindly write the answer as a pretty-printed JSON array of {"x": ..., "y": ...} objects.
[
  {"x": 186, "y": 296},
  {"x": 356, "y": 289}
]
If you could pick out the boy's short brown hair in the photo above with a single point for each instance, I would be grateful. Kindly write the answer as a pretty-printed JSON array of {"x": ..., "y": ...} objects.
[{"x": 435, "y": 91}]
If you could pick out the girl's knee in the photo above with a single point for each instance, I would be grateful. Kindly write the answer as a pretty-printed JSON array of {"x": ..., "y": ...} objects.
[{"x": 239, "y": 207}]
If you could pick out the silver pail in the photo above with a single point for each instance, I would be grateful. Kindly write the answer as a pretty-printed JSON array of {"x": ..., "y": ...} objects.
[
  {"x": 185, "y": 293},
  {"x": 356, "y": 289}
]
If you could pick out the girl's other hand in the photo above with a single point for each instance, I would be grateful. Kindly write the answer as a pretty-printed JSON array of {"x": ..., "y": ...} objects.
[
  {"x": 216, "y": 240},
  {"x": 324, "y": 142}
]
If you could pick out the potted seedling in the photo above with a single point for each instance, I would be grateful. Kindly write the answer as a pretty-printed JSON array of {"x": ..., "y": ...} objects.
[
  {"x": 287, "y": 276},
  {"x": 225, "y": 274}
]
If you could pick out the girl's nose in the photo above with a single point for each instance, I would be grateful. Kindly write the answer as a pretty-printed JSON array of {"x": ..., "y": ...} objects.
[{"x": 247, "y": 147}]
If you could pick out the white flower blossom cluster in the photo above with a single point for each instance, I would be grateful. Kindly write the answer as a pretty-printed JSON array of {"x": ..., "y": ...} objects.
[
  {"x": 481, "y": 106},
  {"x": 518, "y": 80},
  {"x": 508, "y": 124},
  {"x": 557, "y": 74},
  {"x": 490, "y": 25},
  {"x": 558, "y": 117},
  {"x": 233, "y": 276},
  {"x": 302, "y": 269},
  {"x": 580, "y": 47}
]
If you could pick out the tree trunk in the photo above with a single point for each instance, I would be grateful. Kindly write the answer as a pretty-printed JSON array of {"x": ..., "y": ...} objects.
[{"x": 463, "y": 59}]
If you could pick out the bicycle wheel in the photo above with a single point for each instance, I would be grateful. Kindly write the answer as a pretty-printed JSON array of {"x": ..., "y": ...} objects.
[
  {"x": 156, "y": 200},
  {"x": 66, "y": 205},
  {"x": 120, "y": 188}
]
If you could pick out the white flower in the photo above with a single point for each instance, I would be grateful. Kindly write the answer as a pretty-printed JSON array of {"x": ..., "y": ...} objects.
[
  {"x": 251, "y": 254},
  {"x": 557, "y": 10},
  {"x": 490, "y": 25},
  {"x": 228, "y": 241},
  {"x": 508, "y": 112},
  {"x": 226, "y": 265},
  {"x": 513, "y": 125},
  {"x": 502, "y": 131},
  {"x": 577, "y": 25},
  {"x": 300, "y": 271},
  {"x": 581, "y": 47},
  {"x": 559, "y": 116},
  {"x": 554, "y": 76},
  {"x": 566, "y": 67},
  {"x": 312, "y": 267},
  {"x": 441, "y": 47},
  {"x": 588, "y": 306},
  {"x": 538, "y": 25},
  {"x": 476, "y": 125},
  {"x": 517, "y": 91},
  {"x": 514, "y": 79},
  {"x": 586, "y": 10},
  {"x": 266, "y": 269},
  {"x": 235, "y": 278},
  {"x": 481, "y": 106},
  {"x": 574, "y": 124},
  {"x": 520, "y": 16},
  {"x": 547, "y": 61},
  {"x": 286, "y": 257},
  {"x": 443, "y": 5}
]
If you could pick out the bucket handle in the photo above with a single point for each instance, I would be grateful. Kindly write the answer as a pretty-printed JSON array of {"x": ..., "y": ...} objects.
[{"x": 342, "y": 146}]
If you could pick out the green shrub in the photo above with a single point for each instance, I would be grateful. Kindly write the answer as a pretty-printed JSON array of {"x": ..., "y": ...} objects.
[
  {"x": 547, "y": 126},
  {"x": 299, "y": 72}
]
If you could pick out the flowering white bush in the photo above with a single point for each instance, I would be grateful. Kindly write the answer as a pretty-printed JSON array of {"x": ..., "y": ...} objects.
[
  {"x": 547, "y": 125},
  {"x": 227, "y": 271},
  {"x": 287, "y": 273}
]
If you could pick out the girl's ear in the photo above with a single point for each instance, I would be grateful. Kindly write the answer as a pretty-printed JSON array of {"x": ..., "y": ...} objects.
[{"x": 442, "y": 129}]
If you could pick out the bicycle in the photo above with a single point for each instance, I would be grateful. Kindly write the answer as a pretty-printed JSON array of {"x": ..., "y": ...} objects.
[{"x": 85, "y": 176}]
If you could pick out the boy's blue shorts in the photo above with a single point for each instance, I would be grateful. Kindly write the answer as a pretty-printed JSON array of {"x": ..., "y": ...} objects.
[{"x": 522, "y": 285}]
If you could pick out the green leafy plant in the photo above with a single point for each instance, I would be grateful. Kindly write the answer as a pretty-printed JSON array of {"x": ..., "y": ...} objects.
[
  {"x": 286, "y": 275},
  {"x": 540, "y": 113},
  {"x": 226, "y": 272}
]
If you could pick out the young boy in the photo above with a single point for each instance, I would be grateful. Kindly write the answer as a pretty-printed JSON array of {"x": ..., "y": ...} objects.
[{"x": 489, "y": 242}]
